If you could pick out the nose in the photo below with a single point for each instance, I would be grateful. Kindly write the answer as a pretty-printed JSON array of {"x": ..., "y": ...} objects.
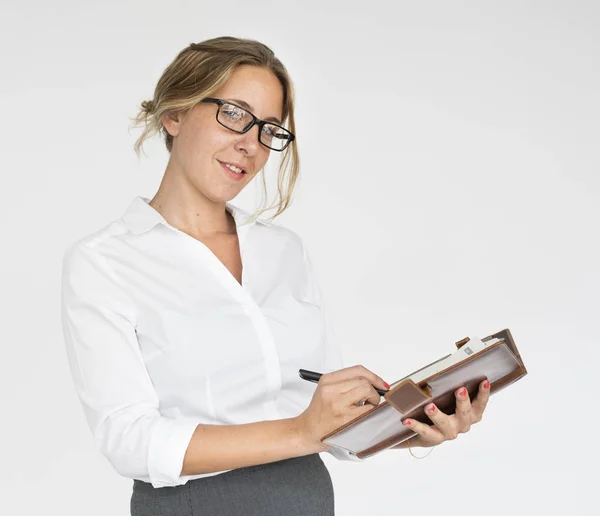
[{"x": 248, "y": 142}]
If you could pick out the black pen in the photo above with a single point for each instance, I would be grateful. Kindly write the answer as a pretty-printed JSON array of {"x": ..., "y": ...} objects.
[{"x": 311, "y": 376}]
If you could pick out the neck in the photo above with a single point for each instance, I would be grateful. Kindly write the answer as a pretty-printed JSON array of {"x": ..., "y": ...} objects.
[{"x": 187, "y": 209}]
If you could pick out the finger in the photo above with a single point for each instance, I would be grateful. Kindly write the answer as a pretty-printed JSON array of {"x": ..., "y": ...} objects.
[
  {"x": 427, "y": 434},
  {"x": 441, "y": 421},
  {"x": 348, "y": 413},
  {"x": 480, "y": 402},
  {"x": 463, "y": 410},
  {"x": 348, "y": 385},
  {"x": 357, "y": 371},
  {"x": 364, "y": 391}
]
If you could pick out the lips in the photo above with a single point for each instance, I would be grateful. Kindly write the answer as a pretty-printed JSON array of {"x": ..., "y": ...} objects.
[
  {"x": 244, "y": 171},
  {"x": 231, "y": 174}
]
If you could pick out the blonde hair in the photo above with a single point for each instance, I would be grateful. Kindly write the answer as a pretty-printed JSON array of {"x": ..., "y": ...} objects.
[{"x": 197, "y": 72}]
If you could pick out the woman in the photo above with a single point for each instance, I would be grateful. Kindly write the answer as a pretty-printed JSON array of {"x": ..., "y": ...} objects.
[{"x": 186, "y": 321}]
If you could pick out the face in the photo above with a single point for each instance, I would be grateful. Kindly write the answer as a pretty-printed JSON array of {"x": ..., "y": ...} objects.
[{"x": 201, "y": 145}]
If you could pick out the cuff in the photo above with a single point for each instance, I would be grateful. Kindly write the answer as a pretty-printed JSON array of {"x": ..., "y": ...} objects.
[{"x": 168, "y": 444}]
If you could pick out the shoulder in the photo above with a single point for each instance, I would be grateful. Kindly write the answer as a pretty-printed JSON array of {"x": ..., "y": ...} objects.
[
  {"x": 95, "y": 245},
  {"x": 88, "y": 279}
]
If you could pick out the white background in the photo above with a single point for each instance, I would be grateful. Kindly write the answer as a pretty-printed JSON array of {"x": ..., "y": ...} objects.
[{"x": 450, "y": 187}]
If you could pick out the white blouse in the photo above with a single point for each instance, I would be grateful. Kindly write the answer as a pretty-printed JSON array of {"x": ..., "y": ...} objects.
[{"x": 160, "y": 336}]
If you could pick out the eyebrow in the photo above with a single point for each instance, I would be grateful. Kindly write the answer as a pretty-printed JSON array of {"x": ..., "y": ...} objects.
[{"x": 247, "y": 106}]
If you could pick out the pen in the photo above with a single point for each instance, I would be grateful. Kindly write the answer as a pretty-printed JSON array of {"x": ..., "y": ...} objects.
[{"x": 311, "y": 376}]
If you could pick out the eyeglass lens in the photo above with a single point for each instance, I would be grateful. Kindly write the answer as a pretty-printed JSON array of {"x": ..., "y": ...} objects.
[{"x": 237, "y": 119}]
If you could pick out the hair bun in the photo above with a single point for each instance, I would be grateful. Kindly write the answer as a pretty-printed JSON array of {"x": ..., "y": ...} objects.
[{"x": 148, "y": 105}]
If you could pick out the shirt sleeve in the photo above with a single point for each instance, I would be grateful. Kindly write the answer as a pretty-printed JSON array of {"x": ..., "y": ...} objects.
[
  {"x": 333, "y": 359},
  {"x": 110, "y": 378}
]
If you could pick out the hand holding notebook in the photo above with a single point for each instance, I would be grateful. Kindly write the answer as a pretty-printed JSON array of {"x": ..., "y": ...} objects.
[{"x": 445, "y": 427}]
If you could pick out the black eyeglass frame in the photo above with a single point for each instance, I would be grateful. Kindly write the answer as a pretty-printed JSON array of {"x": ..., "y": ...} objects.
[{"x": 255, "y": 121}]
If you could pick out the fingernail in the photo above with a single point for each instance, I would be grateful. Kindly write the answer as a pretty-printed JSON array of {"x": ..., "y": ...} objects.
[
  {"x": 462, "y": 392},
  {"x": 486, "y": 385},
  {"x": 407, "y": 422},
  {"x": 430, "y": 408},
  {"x": 387, "y": 385}
]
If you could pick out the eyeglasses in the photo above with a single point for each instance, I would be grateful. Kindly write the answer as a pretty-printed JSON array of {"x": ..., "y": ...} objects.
[{"x": 240, "y": 120}]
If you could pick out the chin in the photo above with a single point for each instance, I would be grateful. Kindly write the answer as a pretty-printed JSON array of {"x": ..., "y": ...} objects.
[{"x": 221, "y": 197}]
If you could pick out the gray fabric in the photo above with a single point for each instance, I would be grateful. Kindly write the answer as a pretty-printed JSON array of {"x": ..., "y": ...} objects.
[{"x": 300, "y": 486}]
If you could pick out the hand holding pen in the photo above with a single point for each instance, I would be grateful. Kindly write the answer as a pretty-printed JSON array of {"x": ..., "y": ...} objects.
[
  {"x": 311, "y": 376},
  {"x": 336, "y": 401}
]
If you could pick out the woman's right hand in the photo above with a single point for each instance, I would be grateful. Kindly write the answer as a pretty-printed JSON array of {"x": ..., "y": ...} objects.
[{"x": 336, "y": 401}]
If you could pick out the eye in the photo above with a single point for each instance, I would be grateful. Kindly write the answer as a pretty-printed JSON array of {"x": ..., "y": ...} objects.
[{"x": 232, "y": 112}]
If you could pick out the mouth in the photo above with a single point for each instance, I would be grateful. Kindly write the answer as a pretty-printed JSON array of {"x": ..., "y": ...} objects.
[{"x": 233, "y": 167}]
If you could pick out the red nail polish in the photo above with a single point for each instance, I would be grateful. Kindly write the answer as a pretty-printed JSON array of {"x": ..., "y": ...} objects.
[
  {"x": 462, "y": 392},
  {"x": 387, "y": 385},
  {"x": 430, "y": 408},
  {"x": 407, "y": 422},
  {"x": 486, "y": 385}
]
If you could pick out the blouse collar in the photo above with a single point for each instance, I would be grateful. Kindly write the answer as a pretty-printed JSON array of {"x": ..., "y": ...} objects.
[{"x": 141, "y": 217}]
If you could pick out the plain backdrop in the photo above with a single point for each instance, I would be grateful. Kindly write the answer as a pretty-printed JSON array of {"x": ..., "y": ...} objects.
[{"x": 449, "y": 187}]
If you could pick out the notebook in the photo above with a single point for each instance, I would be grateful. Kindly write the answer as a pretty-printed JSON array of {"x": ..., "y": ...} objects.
[{"x": 495, "y": 358}]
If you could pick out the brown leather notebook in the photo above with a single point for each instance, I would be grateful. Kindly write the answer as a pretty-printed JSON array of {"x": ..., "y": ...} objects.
[{"x": 495, "y": 358}]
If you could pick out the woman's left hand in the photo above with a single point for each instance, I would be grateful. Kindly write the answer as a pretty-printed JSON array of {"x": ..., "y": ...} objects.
[{"x": 447, "y": 428}]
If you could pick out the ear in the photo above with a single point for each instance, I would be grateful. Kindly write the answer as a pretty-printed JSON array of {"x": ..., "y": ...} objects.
[{"x": 172, "y": 122}]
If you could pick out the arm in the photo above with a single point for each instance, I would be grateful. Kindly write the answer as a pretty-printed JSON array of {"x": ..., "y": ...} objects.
[
  {"x": 120, "y": 403},
  {"x": 225, "y": 447}
]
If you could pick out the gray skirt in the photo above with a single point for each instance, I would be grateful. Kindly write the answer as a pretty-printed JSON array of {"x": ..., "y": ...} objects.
[{"x": 300, "y": 486}]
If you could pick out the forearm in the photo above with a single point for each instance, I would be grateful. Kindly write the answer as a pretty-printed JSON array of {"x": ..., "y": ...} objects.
[{"x": 224, "y": 447}]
